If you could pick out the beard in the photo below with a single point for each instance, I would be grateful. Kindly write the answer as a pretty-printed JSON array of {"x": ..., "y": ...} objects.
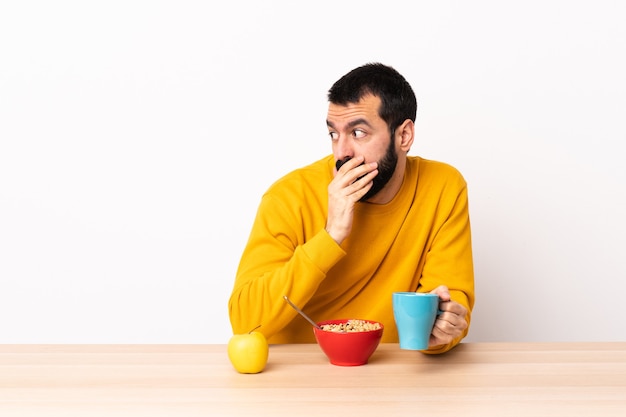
[{"x": 386, "y": 168}]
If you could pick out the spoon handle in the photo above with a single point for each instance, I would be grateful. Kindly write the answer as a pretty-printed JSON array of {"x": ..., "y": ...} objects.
[{"x": 301, "y": 312}]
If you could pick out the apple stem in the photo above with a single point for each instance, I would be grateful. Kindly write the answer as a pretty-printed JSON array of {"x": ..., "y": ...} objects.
[{"x": 254, "y": 329}]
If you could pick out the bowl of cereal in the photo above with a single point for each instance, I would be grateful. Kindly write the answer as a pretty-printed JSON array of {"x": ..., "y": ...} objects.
[{"x": 348, "y": 342}]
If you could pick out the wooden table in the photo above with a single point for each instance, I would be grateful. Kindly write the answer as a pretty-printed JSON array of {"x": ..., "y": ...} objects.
[{"x": 477, "y": 379}]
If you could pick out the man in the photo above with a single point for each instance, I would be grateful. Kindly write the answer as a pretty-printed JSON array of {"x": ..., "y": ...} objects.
[{"x": 339, "y": 236}]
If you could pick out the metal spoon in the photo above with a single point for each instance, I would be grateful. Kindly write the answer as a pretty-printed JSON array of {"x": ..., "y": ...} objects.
[{"x": 301, "y": 312}]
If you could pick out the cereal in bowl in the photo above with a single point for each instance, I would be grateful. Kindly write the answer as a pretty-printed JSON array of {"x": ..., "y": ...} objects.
[{"x": 351, "y": 326}]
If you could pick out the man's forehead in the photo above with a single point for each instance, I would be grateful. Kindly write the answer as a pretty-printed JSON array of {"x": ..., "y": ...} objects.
[{"x": 366, "y": 108}]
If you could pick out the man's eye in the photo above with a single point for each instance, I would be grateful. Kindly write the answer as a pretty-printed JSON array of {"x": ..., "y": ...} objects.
[
  {"x": 358, "y": 133},
  {"x": 333, "y": 135}
]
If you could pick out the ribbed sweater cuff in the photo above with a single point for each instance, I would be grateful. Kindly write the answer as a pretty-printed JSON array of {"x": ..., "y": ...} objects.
[{"x": 323, "y": 251}]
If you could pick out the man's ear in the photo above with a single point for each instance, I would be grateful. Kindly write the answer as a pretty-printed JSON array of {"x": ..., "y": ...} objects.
[{"x": 405, "y": 134}]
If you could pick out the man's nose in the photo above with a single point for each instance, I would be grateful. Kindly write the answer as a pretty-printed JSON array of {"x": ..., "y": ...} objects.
[{"x": 343, "y": 149}]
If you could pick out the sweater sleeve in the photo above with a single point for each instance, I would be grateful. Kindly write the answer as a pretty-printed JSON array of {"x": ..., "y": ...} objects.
[
  {"x": 449, "y": 259},
  {"x": 279, "y": 259}
]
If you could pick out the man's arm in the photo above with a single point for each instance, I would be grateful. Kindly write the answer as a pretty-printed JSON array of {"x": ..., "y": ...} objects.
[
  {"x": 277, "y": 261},
  {"x": 449, "y": 264}
]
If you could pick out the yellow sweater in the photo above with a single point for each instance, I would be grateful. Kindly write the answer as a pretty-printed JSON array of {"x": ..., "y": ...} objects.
[{"x": 416, "y": 242}]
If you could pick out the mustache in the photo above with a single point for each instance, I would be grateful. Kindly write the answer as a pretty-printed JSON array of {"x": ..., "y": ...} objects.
[{"x": 340, "y": 162}]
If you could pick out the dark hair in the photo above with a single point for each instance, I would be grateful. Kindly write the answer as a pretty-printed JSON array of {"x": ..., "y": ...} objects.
[{"x": 398, "y": 101}]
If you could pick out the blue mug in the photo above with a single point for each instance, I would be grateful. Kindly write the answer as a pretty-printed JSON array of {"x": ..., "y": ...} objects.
[{"x": 415, "y": 314}]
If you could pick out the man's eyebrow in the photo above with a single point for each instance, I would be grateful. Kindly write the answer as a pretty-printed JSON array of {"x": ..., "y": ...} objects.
[{"x": 355, "y": 122}]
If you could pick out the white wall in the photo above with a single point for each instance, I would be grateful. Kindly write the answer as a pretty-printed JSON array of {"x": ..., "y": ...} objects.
[{"x": 137, "y": 139}]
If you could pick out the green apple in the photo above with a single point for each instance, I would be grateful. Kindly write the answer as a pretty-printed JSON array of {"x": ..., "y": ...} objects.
[{"x": 248, "y": 352}]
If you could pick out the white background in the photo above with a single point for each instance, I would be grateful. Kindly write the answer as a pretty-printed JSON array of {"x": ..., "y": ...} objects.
[{"x": 137, "y": 139}]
